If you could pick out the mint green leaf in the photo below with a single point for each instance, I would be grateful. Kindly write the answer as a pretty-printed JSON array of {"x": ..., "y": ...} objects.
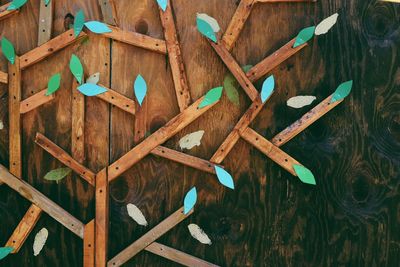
[
  {"x": 231, "y": 89},
  {"x": 97, "y": 27},
  {"x": 211, "y": 97},
  {"x": 304, "y": 174},
  {"x": 190, "y": 200},
  {"x": 224, "y": 177},
  {"x": 16, "y": 4},
  {"x": 8, "y": 49},
  {"x": 342, "y": 91},
  {"x": 76, "y": 68},
  {"x": 206, "y": 29},
  {"x": 57, "y": 174},
  {"x": 79, "y": 22},
  {"x": 54, "y": 84},
  {"x": 267, "y": 88},
  {"x": 303, "y": 36},
  {"x": 4, "y": 251},
  {"x": 46, "y": 2}
]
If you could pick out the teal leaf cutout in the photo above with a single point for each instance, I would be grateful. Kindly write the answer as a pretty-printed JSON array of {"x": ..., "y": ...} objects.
[
  {"x": 97, "y": 27},
  {"x": 4, "y": 251},
  {"x": 303, "y": 36},
  {"x": 231, "y": 86},
  {"x": 342, "y": 91},
  {"x": 190, "y": 200},
  {"x": 140, "y": 88},
  {"x": 79, "y": 22},
  {"x": 267, "y": 88},
  {"x": 53, "y": 84},
  {"x": 8, "y": 49},
  {"x": 224, "y": 177},
  {"x": 163, "y": 4},
  {"x": 91, "y": 89},
  {"x": 206, "y": 29},
  {"x": 46, "y": 2},
  {"x": 57, "y": 174},
  {"x": 16, "y": 4},
  {"x": 211, "y": 97},
  {"x": 304, "y": 174},
  {"x": 76, "y": 68}
]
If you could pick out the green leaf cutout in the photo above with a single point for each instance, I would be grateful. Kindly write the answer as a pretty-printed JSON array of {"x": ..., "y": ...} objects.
[
  {"x": 342, "y": 91},
  {"x": 57, "y": 174},
  {"x": 54, "y": 84},
  {"x": 206, "y": 29},
  {"x": 8, "y": 49},
  {"x": 211, "y": 97},
  {"x": 231, "y": 86},
  {"x": 46, "y": 2},
  {"x": 76, "y": 68},
  {"x": 304, "y": 174},
  {"x": 4, "y": 251},
  {"x": 16, "y": 4},
  {"x": 79, "y": 22},
  {"x": 303, "y": 36}
]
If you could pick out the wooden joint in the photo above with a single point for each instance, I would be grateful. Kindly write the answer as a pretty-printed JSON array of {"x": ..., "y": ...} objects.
[{"x": 118, "y": 100}]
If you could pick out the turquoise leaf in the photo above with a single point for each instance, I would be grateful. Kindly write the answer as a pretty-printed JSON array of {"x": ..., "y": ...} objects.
[
  {"x": 8, "y": 49},
  {"x": 5, "y": 251},
  {"x": 91, "y": 89},
  {"x": 211, "y": 97},
  {"x": 304, "y": 35},
  {"x": 267, "y": 88},
  {"x": 140, "y": 88},
  {"x": 304, "y": 174},
  {"x": 163, "y": 4},
  {"x": 76, "y": 68},
  {"x": 224, "y": 177},
  {"x": 342, "y": 91},
  {"x": 46, "y": 2},
  {"x": 79, "y": 22},
  {"x": 16, "y": 4},
  {"x": 54, "y": 84},
  {"x": 206, "y": 29},
  {"x": 190, "y": 200},
  {"x": 97, "y": 27}
]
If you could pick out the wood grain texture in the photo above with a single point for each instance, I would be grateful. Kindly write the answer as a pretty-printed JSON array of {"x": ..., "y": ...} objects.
[
  {"x": 109, "y": 12},
  {"x": 78, "y": 124},
  {"x": 45, "y": 22},
  {"x": 118, "y": 100},
  {"x": 4, "y": 13},
  {"x": 89, "y": 244},
  {"x": 3, "y": 77},
  {"x": 102, "y": 218},
  {"x": 35, "y": 101}
]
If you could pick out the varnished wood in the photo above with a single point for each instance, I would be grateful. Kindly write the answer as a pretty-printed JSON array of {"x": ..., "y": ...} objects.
[
  {"x": 4, "y": 13},
  {"x": 89, "y": 245},
  {"x": 3, "y": 77},
  {"x": 118, "y": 100},
  {"x": 45, "y": 22},
  {"x": 101, "y": 221},
  {"x": 109, "y": 11},
  {"x": 35, "y": 101},
  {"x": 78, "y": 124}
]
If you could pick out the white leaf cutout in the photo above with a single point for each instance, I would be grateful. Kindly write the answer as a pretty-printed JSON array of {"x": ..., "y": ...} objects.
[
  {"x": 40, "y": 240},
  {"x": 1, "y": 125},
  {"x": 94, "y": 78},
  {"x": 210, "y": 20},
  {"x": 300, "y": 101},
  {"x": 191, "y": 140},
  {"x": 325, "y": 25},
  {"x": 135, "y": 213},
  {"x": 199, "y": 234}
]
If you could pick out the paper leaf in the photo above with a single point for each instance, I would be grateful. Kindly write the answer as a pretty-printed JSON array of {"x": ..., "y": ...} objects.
[
  {"x": 79, "y": 22},
  {"x": 210, "y": 20},
  {"x": 191, "y": 140},
  {"x": 140, "y": 88},
  {"x": 325, "y": 25},
  {"x": 1, "y": 125},
  {"x": 16, "y": 4},
  {"x": 57, "y": 174},
  {"x": 231, "y": 89},
  {"x": 163, "y": 4},
  {"x": 40, "y": 240},
  {"x": 342, "y": 91},
  {"x": 90, "y": 89},
  {"x": 8, "y": 49},
  {"x": 267, "y": 88},
  {"x": 206, "y": 29},
  {"x": 190, "y": 200},
  {"x": 224, "y": 177},
  {"x": 304, "y": 174},
  {"x": 4, "y": 251},
  {"x": 212, "y": 96},
  {"x": 97, "y": 27},
  {"x": 300, "y": 101},
  {"x": 135, "y": 213},
  {"x": 46, "y": 2},
  {"x": 303, "y": 36},
  {"x": 94, "y": 78},
  {"x": 53, "y": 84},
  {"x": 198, "y": 234},
  {"x": 76, "y": 68}
]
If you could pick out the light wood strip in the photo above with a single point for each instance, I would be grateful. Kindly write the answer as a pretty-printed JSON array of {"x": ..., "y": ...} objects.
[
  {"x": 102, "y": 216},
  {"x": 88, "y": 245},
  {"x": 78, "y": 124},
  {"x": 109, "y": 12},
  {"x": 4, "y": 13},
  {"x": 35, "y": 101},
  {"x": 3, "y": 77},
  {"x": 286, "y": 1},
  {"x": 118, "y": 100},
  {"x": 45, "y": 22}
]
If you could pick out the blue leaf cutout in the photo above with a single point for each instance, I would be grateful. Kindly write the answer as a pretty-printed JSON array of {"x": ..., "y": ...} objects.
[
  {"x": 90, "y": 89},
  {"x": 163, "y": 4},
  {"x": 16, "y": 4},
  {"x": 190, "y": 200},
  {"x": 140, "y": 88},
  {"x": 224, "y": 177},
  {"x": 5, "y": 251},
  {"x": 267, "y": 88},
  {"x": 304, "y": 174},
  {"x": 304, "y": 35},
  {"x": 97, "y": 27},
  {"x": 206, "y": 29},
  {"x": 342, "y": 91}
]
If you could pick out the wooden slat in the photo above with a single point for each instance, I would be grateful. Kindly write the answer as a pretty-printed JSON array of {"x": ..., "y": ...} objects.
[
  {"x": 285, "y": 1},
  {"x": 101, "y": 222},
  {"x": 175, "y": 58},
  {"x": 35, "y": 101},
  {"x": 88, "y": 245},
  {"x": 40, "y": 200},
  {"x": 66, "y": 159},
  {"x": 78, "y": 124},
  {"x": 137, "y": 39},
  {"x": 118, "y": 100},
  {"x": 149, "y": 238},
  {"x": 109, "y": 11},
  {"x": 157, "y": 138},
  {"x": 4, "y": 13},
  {"x": 49, "y": 48},
  {"x": 3, "y": 77},
  {"x": 45, "y": 22}
]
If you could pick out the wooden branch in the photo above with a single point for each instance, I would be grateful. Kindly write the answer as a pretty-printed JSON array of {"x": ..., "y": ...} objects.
[
  {"x": 159, "y": 137},
  {"x": 40, "y": 200},
  {"x": 175, "y": 58},
  {"x": 78, "y": 124},
  {"x": 45, "y": 22},
  {"x": 118, "y": 100},
  {"x": 35, "y": 101},
  {"x": 64, "y": 158},
  {"x": 88, "y": 245},
  {"x": 109, "y": 11},
  {"x": 148, "y": 238},
  {"x": 3, "y": 77},
  {"x": 137, "y": 39},
  {"x": 101, "y": 222},
  {"x": 4, "y": 13},
  {"x": 285, "y": 1},
  {"x": 49, "y": 48}
]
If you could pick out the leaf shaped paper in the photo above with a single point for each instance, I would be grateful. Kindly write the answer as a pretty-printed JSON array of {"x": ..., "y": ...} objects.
[
  {"x": 300, "y": 101},
  {"x": 197, "y": 233},
  {"x": 224, "y": 177},
  {"x": 342, "y": 91},
  {"x": 304, "y": 174},
  {"x": 135, "y": 213},
  {"x": 140, "y": 88},
  {"x": 190, "y": 200},
  {"x": 46, "y": 2},
  {"x": 53, "y": 84},
  {"x": 79, "y": 22},
  {"x": 163, "y": 4},
  {"x": 40, "y": 240},
  {"x": 57, "y": 174},
  {"x": 191, "y": 140},
  {"x": 94, "y": 78},
  {"x": 212, "y": 96},
  {"x": 8, "y": 49},
  {"x": 4, "y": 251},
  {"x": 16, "y": 4},
  {"x": 76, "y": 68},
  {"x": 210, "y": 20},
  {"x": 231, "y": 89},
  {"x": 90, "y": 89},
  {"x": 325, "y": 25},
  {"x": 97, "y": 27},
  {"x": 206, "y": 29},
  {"x": 267, "y": 88},
  {"x": 303, "y": 36}
]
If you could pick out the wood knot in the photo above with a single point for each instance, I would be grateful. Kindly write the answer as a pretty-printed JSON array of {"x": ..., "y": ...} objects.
[
  {"x": 141, "y": 26},
  {"x": 379, "y": 20}
]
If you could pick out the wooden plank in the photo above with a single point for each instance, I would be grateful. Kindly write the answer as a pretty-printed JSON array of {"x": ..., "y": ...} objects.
[
  {"x": 118, "y": 100},
  {"x": 285, "y": 1},
  {"x": 102, "y": 216},
  {"x": 149, "y": 238},
  {"x": 65, "y": 158},
  {"x": 109, "y": 11},
  {"x": 47, "y": 49},
  {"x": 40, "y": 200},
  {"x": 175, "y": 57},
  {"x": 35, "y": 101},
  {"x": 3, "y": 77},
  {"x": 4, "y": 13},
  {"x": 157, "y": 138},
  {"x": 88, "y": 245},
  {"x": 78, "y": 124},
  {"x": 137, "y": 39},
  {"x": 45, "y": 22}
]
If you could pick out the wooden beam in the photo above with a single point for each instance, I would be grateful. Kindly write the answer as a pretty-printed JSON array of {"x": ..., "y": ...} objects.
[
  {"x": 149, "y": 238},
  {"x": 35, "y": 101},
  {"x": 45, "y": 22},
  {"x": 118, "y": 100},
  {"x": 175, "y": 57},
  {"x": 285, "y": 1},
  {"x": 88, "y": 245},
  {"x": 109, "y": 11},
  {"x": 3, "y": 77},
  {"x": 78, "y": 124},
  {"x": 101, "y": 222},
  {"x": 65, "y": 158},
  {"x": 4, "y": 13}
]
